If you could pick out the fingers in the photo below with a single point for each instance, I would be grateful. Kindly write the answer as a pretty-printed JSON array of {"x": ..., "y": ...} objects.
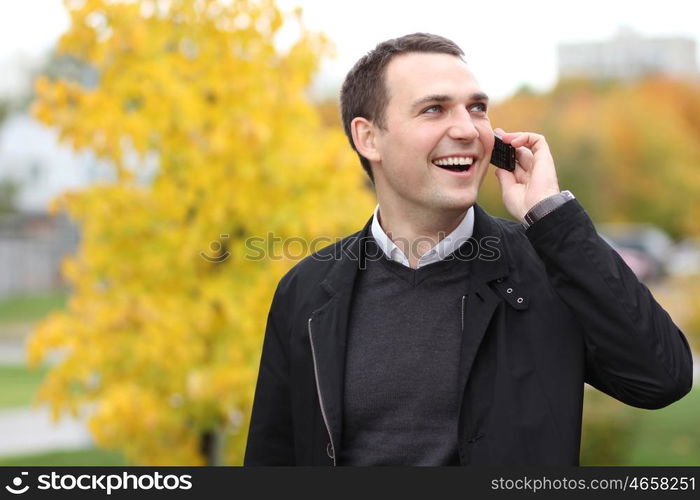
[
  {"x": 534, "y": 142},
  {"x": 528, "y": 146},
  {"x": 522, "y": 139},
  {"x": 517, "y": 176},
  {"x": 524, "y": 158},
  {"x": 507, "y": 137}
]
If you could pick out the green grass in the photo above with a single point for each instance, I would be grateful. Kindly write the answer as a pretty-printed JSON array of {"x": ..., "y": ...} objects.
[
  {"x": 19, "y": 385},
  {"x": 30, "y": 307},
  {"x": 670, "y": 436},
  {"x": 90, "y": 456}
]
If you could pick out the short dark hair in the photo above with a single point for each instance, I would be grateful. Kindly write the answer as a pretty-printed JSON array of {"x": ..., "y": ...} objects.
[{"x": 364, "y": 91}]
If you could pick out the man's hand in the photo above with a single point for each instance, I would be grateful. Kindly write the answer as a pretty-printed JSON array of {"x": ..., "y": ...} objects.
[{"x": 534, "y": 178}]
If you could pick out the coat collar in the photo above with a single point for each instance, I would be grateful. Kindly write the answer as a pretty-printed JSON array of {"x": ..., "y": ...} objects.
[
  {"x": 486, "y": 235},
  {"x": 349, "y": 260}
]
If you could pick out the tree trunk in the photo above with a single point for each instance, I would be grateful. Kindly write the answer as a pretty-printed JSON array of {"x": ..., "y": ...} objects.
[{"x": 210, "y": 446}]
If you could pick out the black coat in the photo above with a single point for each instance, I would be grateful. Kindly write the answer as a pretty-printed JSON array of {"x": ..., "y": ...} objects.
[{"x": 553, "y": 307}]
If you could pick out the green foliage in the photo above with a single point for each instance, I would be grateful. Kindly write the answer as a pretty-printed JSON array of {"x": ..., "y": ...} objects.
[
  {"x": 609, "y": 429},
  {"x": 19, "y": 385},
  {"x": 9, "y": 189},
  {"x": 4, "y": 109}
]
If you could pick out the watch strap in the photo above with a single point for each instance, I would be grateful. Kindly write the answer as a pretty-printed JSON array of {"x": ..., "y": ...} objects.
[{"x": 547, "y": 206}]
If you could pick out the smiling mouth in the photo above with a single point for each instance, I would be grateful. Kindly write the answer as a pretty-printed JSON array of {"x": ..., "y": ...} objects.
[
  {"x": 455, "y": 168},
  {"x": 455, "y": 164}
]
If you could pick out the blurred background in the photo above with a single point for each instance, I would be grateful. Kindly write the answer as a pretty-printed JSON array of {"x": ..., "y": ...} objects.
[{"x": 143, "y": 144}]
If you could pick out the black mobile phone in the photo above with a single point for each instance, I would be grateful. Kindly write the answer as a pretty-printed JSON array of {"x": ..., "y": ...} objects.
[{"x": 503, "y": 155}]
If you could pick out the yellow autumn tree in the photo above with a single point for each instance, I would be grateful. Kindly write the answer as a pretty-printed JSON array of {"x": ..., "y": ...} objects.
[{"x": 219, "y": 158}]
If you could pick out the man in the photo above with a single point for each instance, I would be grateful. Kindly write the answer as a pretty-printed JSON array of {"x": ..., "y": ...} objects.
[{"x": 438, "y": 335}]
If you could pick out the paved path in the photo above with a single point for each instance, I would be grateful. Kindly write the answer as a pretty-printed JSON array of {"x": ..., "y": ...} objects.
[
  {"x": 12, "y": 353},
  {"x": 26, "y": 431}
]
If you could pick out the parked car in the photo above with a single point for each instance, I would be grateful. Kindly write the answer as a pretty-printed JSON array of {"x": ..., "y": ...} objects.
[
  {"x": 643, "y": 266},
  {"x": 646, "y": 249},
  {"x": 686, "y": 258}
]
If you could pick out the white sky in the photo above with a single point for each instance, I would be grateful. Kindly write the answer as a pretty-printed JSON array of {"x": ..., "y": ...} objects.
[{"x": 507, "y": 42}]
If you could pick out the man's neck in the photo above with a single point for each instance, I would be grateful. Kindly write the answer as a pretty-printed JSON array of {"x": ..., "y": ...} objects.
[{"x": 417, "y": 231}]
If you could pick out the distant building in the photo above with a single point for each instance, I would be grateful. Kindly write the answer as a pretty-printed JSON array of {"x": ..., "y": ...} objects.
[
  {"x": 32, "y": 157},
  {"x": 32, "y": 247},
  {"x": 628, "y": 56},
  {"x": 32, "y": 242}
]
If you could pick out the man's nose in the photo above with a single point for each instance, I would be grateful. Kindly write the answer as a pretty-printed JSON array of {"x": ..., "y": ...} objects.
[{"x": 462, "y": 127}]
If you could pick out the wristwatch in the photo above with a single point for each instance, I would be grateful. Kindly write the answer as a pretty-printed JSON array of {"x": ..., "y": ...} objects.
[{"x": 547, "y": 206}]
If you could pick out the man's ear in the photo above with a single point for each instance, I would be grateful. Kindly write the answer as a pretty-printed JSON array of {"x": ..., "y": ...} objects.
[{"x": 364, "y": 135}]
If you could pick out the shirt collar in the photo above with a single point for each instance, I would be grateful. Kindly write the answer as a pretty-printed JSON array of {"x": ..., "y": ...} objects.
[{"x": 445, "y": 247}]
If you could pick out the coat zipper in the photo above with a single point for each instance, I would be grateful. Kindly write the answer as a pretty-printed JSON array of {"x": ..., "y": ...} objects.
[
  {"x": 320, "y": 399},
  {"x": 463, "y": 297}
]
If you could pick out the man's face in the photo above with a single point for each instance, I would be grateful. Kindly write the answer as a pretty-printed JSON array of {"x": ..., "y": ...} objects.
[{"x": 436, "y": 114}]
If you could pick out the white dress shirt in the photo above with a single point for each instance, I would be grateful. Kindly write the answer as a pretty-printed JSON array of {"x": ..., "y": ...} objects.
[{"x": 445, "y": 247}]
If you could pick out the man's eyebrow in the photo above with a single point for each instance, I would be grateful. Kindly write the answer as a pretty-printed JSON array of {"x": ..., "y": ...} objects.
[{"x": 476, "y": 96}]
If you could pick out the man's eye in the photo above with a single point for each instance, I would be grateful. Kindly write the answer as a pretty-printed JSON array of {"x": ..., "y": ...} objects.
[
  {"x": 479, "y": 107},
  {"x": 435, "y": 108}
]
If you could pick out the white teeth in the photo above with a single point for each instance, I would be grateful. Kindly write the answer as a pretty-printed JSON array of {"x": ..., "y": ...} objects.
[{"x": 454, "y": 160}]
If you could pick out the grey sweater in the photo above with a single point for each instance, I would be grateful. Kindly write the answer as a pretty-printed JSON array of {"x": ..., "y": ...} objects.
[{"x": 400, "y": 396}]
